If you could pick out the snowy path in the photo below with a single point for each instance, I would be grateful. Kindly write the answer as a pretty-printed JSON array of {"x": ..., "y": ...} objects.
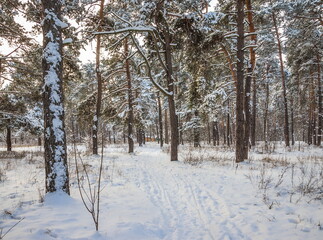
[
  {"x": 191, "y": 200},
  {"x": 147, "y": 197}
]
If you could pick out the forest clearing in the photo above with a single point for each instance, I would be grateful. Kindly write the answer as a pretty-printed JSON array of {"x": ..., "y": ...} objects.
[{"x": 205, "y": 195}]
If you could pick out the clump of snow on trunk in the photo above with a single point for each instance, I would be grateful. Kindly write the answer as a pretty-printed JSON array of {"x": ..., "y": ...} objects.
[{"x": 55, "y": 139}]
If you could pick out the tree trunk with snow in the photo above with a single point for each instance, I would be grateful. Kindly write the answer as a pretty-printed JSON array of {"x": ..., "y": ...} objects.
[
  {"x": 57, "y": 178},
  {"x": 8, "y": 138},
  {"x": 240, "y": 83},
  {"x": 246, "y": 106},
  {"x": 320, "y": 107},
  {"x": 97, "y": 114},
  {"x": 208, "y": 127},
  {"x": 282, "y": 73},
  {"x": 251, "y": 73},
  {"x": 171, "y": 99},
  {"x": 130, "y": 100},
  {"x": 265, "y": 130},
  {"x": 166, "y": 126},
  {"x": 292, "y": 121},
  {"x": 228, "y": 129},
  {"x": 160, "y": 121}
]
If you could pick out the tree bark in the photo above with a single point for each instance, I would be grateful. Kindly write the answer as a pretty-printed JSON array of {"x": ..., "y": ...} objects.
[
  {"x": 292, "y": 121},
  {"x": 240, "y": 83},
  {"x": 228, "y": 129},
  {"x": 140, "y": 137},
  {"x": 97, "y": 114},
  {"x": 130, "y": 100},
  {"x": 214, "y": 133},
  {"x": 320, "y": 108},
  {"x": 57, "y": 178},
  {"x": 166, "y": 127},
  {"x": 208, "y": 131},
  {"x": 266, "y": 108},
  {"x": 251, "y": 71},
  {"x": 8, "y": 138},
  {"x": 181, "y": 140},
  {"x": 312, "y": 113},
  {"x": 171, "y": 99},
  {"x": 160, "y": 121},
  {"x": 144, "y": 137},
  {"x": 196, "y": 130},
  {"x": 246, "y": 106},
  {"x": 282, "y": 73},
  {"x": 163, "y": 28}
]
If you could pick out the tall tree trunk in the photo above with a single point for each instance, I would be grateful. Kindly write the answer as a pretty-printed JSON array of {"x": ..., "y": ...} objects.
[
  {"x": 312, "y": 110},
  {"x": 130, "y": 99},
  {"x": 214, "y": 133},
  {"x": 320, "y": 108},
  {"x": 208, "y": 131},
  {"x": 224, "y": 134},
  {"x": 140, "y": 137},
  {"x": 292, "y": 120},
  {"x": 157, "y": 132},
  {"x": 171, "y": 98},
  {"x": 144, "y": 137},
  {"x": 166, "y": 127},
  {"x": 240, "y": 83},
  {"x": 124, "y": 134},
  {"x": 114, "y": 134},
  {"x": 99, "y": 82},
  {"x": 228, "y": 129},
  {"x": 246, "y": 106},
  {"x": 251, "y": 72},
  {"x": 266, "y": 108},
  {"x": 160, "y": 121},
  {"x": 8, "y": 138},
  {"x": 217, "y": 133},
  {"x": 181, "y": 140},
  {"x": 196, "y": 130},
  {"x": 282, "y": 73},
  {"x": 57, "y": 178}
]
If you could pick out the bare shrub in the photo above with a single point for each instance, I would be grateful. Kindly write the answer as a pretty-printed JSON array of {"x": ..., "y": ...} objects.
[
  {"x": 12, "y": 154},
  {"x": 34, "y": 157},
  {"x": 41, "y": 195},
  {"x": 271, "y": 178},
  {"x": 310, "y": 180},
  {"x": 3, "y": 234},
  {"x": 276, "y": 162},
  {"x": 220, "y": 159},
  {"x": 166, "y": 149},
  {"x": 281, "y": 176},
  {"x": 3, "y": 175},
  {"x": 192, "y": 157},
  {"x": 90, "y": 194}
]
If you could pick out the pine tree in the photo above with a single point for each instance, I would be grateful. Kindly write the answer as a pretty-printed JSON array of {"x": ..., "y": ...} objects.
[
  {"x": 240, "y": 147},
  {"x": 57, "y": 178}
]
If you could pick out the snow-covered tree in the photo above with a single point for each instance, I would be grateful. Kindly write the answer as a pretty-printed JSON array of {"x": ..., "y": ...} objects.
[{"x": 57, "y": 178}]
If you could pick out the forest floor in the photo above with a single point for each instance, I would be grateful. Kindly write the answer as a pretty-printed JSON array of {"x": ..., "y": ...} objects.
[{"x": 144, "y": 196}]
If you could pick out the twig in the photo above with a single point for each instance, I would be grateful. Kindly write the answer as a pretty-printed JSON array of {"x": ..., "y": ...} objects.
[{"x": 2, "y": 236}]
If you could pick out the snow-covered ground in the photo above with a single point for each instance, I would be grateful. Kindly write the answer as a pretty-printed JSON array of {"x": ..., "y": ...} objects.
[{"x": 145, "y": 197}]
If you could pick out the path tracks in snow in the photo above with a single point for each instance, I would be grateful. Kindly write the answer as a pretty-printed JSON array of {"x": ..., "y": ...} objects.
[{"x": 191, "y": 202}]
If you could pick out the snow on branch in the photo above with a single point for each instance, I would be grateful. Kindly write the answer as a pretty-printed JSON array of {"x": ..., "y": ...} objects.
[
  {"x": 160, "y": 88},
  {"x": 250, "y": 46},
  {"x": 140, "y": 51},
  {"x": 127, "y": 29},
  {"x": 49, "y": 15}
]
